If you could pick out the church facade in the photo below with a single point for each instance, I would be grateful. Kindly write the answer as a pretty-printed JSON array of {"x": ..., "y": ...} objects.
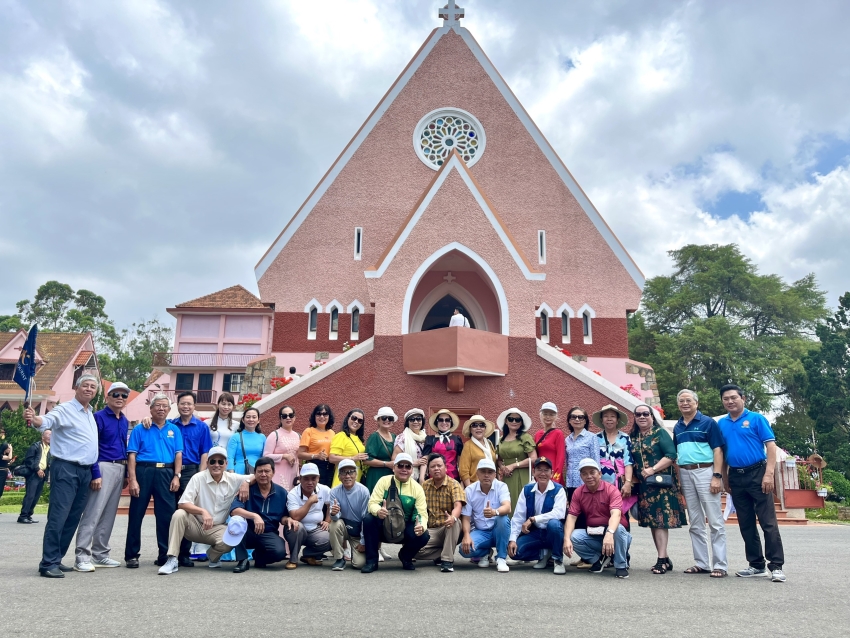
[{"x": 449, "y": 196}]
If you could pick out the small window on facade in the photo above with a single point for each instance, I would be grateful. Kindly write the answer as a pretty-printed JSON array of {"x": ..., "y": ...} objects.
[
  {"x": 358, "y": 243},
  {"x": 184, "y": 381},
  {"x": 544, "y": 324},
  {"x": 236, "y": 381},
  {"x": 541, "y": 246},
  {"x": 335, "y": 320},
  {"x": 565, "y": 326},
  {"x": 355, "y": 323},
  {"x": 314, "y": 319},
  {"x": 585, "y": 323}
]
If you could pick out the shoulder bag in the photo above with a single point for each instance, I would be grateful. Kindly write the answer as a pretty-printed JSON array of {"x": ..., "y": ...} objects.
[
  {"x": 249, "y": 469},
  {"x": 394, "y": 523},
  {"x": 660, "y": 481}
]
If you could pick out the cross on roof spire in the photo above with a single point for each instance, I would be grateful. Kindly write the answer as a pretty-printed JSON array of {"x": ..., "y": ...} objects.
[{"x": 451, "y": 14}]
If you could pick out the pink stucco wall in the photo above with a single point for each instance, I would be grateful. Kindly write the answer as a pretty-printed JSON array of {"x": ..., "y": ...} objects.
[{"x": 384, "y": 180}]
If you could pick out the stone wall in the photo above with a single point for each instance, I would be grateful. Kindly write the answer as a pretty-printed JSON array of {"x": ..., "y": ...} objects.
[
  {"x": 649, "y": 382},
  {"x": 259, "y": 374}
]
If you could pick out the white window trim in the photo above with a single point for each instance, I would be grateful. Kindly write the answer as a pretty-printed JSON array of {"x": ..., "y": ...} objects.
[
  {"x": 538, "y": 313},
  {"x": 333, "y": 335},
  {"x": 355, "y": 305},
  {"x": 313, "y": 305},
  {"x": 358, "y": 254},
  {"x": 565, "y": 308},
  {"x": 541, "y": 247},
  {"x": 448, "y": 111},
  {"x": 591, "y": 315}
]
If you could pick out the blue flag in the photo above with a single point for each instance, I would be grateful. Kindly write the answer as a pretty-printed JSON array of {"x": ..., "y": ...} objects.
[{"x": 25, "y": 369}]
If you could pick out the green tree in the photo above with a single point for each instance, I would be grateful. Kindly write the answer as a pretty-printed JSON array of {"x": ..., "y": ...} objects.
[
  {"x": 10, "y": 323},
  {"x": 129, "y": 355},
  {"x": 716, "y": 320},
  {"x": 18, "y": 433},
  {"x": 827, "y": 387},
  {"x": 57, "y": 308}
]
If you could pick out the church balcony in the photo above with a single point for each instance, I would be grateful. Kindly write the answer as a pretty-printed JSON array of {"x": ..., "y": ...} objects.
[
  {"x": 456, "y": 353},
  {"x": 167, "y": 360}
]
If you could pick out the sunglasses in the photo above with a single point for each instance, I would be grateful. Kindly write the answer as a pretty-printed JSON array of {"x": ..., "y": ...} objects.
[
  {"x": 513, "y": 419},
  {"x": 217, "y": 462},
  {"x": 404, "y": 466},
  {"x": 287, "y": 415},
  {"x": 322, "y": 414},
  {"x": 415, "y": 419},
  {"x": 119, "y": 395},
  {"x": 642, "y": 414},
  {"x": 578, "y": 417},
  {"x": 478, "y": 425},
  {"x": 387, "y": 418},
  {"x": 347, "y": 471},
  {"x": 356, "y": 420},
  {"x": 444, "y": 420}
]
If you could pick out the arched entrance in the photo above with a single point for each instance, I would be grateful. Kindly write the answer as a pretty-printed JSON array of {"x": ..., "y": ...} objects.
[{"x": 455, "y": 276}]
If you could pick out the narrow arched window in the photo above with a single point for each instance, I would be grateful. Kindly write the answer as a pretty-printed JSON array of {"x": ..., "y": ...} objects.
[
  {"x": 314, "y": 319},
  {"x": 585, "y": 323},
  {"x": 565, "y": 324},
  {"x": 544, "y": 324},
  {"x": 335, "y": 320},
  {"x": 355, "y": 321}
]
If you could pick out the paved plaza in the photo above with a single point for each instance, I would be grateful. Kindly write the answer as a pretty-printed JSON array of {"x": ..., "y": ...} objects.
[{"x": 471, "y": 601}]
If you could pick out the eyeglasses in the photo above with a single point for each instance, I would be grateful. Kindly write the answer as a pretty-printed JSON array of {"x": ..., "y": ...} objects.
[
  {"x": 387, "y": 418},
  {"x": 347, "y": 471},
  {"x": 356, "y": 420},
  {"x": 217, "y": 462},
  {"x": 322, "y": 414},
  {"x": 578, "y": 417},
  {"x": 642, "y": 415},
  {"x": 477, "y": 425},
  {"x": 404, "y": 466},
  {"x": 513, "y": 419},
  {"x": 119, "y": 395},
  {"x": 415, "y": 419},
  {"x": 287, "y": 415},
  {"x": 444, "y": 420}
]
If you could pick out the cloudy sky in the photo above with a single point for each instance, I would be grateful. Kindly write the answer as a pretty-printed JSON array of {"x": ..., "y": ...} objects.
[{"x": 152, "y": 150}]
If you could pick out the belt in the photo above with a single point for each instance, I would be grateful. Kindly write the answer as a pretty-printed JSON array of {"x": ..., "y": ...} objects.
[
  {"x": 190, "y": 466},
  {"x": 749, "y": 468},
  {"x": 121, "y": 462},
  {"x": 696, "y": 466},
  {"x": 56, "y": 458},
  {"x": 169, "y": 466}
]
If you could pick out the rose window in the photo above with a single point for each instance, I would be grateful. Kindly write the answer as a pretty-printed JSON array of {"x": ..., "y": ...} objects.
[{"x": 441, "y": 132}]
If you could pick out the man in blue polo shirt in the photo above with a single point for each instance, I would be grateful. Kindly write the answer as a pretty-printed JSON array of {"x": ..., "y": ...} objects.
[
  {"x": 197, "y": 442},
  {"x": 748, "y": 475},
  {"x": 699, "y": 448},
  {"x": 155, "y": 457}
]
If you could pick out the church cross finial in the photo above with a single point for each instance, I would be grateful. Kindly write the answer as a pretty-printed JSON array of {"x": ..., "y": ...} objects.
[{"x": 451, "y": 14}]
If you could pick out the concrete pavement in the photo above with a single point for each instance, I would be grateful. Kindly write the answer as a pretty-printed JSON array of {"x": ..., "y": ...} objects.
[{"x": 314, "y": 601}]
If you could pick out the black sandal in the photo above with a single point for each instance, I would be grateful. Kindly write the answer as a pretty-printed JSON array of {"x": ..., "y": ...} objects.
[
  {"x": 660, "y": 567},
  {"x": 669, "y": 564}
]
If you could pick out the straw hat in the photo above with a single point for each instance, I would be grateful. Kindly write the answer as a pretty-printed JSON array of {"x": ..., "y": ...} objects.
[
  {"x": 479, "y": 419},
  {"x": 433, "y": 420},
  {"x": 622, "y": 421},
  {"x": 526, "y": 420}
]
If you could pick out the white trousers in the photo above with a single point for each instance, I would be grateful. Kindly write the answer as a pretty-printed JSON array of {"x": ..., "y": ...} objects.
[{"x": 702, "y": 505}]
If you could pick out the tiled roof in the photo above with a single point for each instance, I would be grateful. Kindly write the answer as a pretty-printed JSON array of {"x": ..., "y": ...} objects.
[
  {"x": 6, "y": 337},
  {"x": 83, "y": 357},
  {"x": 233, "y": 297},
  {"x": 153, "y": 376},
  {"x": 57, "y": 348}
]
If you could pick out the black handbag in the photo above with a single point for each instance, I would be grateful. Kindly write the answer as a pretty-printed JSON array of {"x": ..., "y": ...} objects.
[
  {"x": 249, "y": 469},
  {"x": 657, "y": 481}
]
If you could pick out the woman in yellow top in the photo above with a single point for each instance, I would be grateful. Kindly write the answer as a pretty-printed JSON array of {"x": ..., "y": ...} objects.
[
  {"x": 477, "y": 428},
  {"x": 348, "y": 444},
  {"x": 316, "y": 442}
]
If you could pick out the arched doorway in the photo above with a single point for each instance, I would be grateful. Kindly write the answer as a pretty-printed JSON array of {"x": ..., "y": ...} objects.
[{"x": 441, "y": 312}]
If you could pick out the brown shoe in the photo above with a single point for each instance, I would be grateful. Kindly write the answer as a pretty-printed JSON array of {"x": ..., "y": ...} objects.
[
  {"x": 292, "y": 566},
  {"x": 309, "y": 560},
  {"x": 582, "y": 565}
]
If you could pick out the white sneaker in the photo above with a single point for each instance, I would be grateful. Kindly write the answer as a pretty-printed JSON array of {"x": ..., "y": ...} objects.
[
  {"x": 83, "y": 567},
  {"x": 559, "y": 567},
  {"x": 544, "y": 558},
  {"x": 777, "y": 576},
  {"x": 484, "y": 562},
  {"x": 214, "y": 565},
  {"x": 512, "y": 562},
  {"x": 346, "y": 555},
  {"x": 502, "y": 565},
  {"x": 380, "y": 557},
  {"x": 170, "y": 566},
  {"x": 105, "y": 562}
]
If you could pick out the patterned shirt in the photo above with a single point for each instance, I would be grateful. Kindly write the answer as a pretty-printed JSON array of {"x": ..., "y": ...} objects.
[
  {"x": 583, "y": 446},
  {"x": 614, "y": 457},
  {"x": 442, "y": 499}
]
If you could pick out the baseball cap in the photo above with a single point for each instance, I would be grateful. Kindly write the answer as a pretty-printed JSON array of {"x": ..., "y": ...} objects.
[
  {"x": 236, "y": 528},
  {"x": 486, "y": 464},
  {"x": 588, "y": 462},
  {"x": 541, "y": 460},
  {"x": 345, "y": 463},
  {"x": 403, "y": 457},
  {"x": 217, "y": 451},
  {"x": 310, "y": 469},
  {"x": 118, "y": 386},
  {"x": 549, "y": 406}
]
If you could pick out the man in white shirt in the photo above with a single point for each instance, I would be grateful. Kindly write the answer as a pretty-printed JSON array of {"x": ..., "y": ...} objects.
[
  {"x": 486, "y": 522},
  {"x": 203, "y": 510},
  {"x": 458, "y": 319},
  {"x": 306, "y": 504},
  {"x": 537, "y": 523}
]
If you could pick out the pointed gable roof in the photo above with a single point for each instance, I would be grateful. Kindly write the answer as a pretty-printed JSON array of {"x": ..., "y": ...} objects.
[
  {"x": 233, "y": 297},
  {"x": 454, "y": 163},
  {"x": 557, "y": 164}
]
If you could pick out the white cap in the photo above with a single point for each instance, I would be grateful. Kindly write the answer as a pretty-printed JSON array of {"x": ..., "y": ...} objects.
[
  {"x": 549, "y": 406},
  {"x": 236, "y": 528},
  {"x": 118, "y": 386},
  {"x": 346, "y": 463},
  {"x": 486, "y": 464},
  {"x": 386, "y": 411},
  {"x": 217, "y": 451},
  {"x": 310, "y": 469},
  {"x": 588, "y": 462},
  {"x": 403, "y": 457}
]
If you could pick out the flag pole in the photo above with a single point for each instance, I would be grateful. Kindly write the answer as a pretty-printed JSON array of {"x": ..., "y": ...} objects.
[{"x": 27, "y": 399}]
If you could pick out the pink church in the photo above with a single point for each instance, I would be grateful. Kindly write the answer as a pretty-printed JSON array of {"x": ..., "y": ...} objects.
[{"x": 450, "y": 196}]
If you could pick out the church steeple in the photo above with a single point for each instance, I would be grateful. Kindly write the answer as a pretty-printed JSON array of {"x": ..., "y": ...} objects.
[{"x": 451, "y": 14}]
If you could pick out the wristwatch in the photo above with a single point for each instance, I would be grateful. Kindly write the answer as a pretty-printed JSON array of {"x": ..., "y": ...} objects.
[{"x": 717, "y": 475}]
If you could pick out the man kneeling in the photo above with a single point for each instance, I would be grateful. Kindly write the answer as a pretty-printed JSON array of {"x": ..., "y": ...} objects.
[
  {"x": 486, "y": 522},
  {"x": 600, "y": 502},
  {"x": 536, "y": 524},
  {"x": 265, "y": 511},
  {"x": 203, "y": 509}
]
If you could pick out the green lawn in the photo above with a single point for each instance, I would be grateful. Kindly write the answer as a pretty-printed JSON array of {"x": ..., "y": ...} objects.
[{"x": 16, "y": 509}]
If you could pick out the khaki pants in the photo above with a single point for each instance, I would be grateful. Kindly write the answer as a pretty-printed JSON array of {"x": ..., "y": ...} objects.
[
  {"x": 185, "y": 525},
  {"x": 442, "y": 543},
  {"x": 339, "y": 535}
]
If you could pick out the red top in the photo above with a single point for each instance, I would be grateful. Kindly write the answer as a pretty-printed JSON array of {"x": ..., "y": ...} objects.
[
  {"x": 596, "y": 506},
  {"x": 554, "y": 448}
]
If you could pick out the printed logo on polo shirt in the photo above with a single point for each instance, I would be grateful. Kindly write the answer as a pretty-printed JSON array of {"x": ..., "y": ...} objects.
[
  {"x": 745, "y": 424},
  {"x": 170, "y": 434}
]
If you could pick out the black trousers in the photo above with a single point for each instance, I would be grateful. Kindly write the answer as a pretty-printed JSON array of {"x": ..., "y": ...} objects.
[
  {"x": 373, "y": 531},
  {"x": 35, "y": 486},
  {"x": 750, "y": 502},
  {"x": 186, "y": 474},
  {"x": 69, "y": 491},
  {"x": 268, "y": 547},
  {"x": 153, "y": 482}
]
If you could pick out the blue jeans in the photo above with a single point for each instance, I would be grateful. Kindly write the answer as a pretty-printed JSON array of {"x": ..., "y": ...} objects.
[
  {"x": 551, "y": 538},
  {"x": 590, "y": 547},
  {"x": 483, "y": 539}
]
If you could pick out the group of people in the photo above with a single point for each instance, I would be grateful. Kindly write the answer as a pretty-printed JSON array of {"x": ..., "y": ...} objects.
[{"x": 498, "y": 495}]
